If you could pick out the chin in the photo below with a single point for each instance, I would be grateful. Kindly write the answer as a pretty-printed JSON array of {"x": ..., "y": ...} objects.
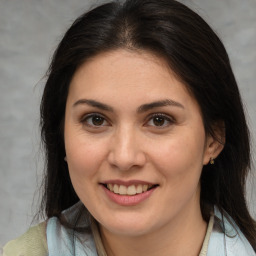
[{"x": 124, "y": 227}]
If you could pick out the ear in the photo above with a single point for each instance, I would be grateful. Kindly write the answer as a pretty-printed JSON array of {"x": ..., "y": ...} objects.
[{"x": 214, "y": 144}]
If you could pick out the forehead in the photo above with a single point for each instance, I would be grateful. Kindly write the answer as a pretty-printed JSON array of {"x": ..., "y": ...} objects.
[
  {"x": 121, "y": 63},
  {"x": 127, "y": 74}
]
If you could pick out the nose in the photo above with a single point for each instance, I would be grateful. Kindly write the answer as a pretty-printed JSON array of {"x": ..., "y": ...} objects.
[{"x": 126, "y": 150}]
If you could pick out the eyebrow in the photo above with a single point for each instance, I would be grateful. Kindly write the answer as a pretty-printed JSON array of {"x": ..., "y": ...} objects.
[
  {"x": 141, "y": 109},
  {"x": 94, "y": 103},
  {"x": 157, "y": 104}
]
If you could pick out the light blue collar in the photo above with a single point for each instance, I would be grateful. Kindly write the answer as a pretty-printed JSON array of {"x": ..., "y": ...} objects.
[
  {"x": 226, "y": 238},
  {"x": 63, "y": 241}
]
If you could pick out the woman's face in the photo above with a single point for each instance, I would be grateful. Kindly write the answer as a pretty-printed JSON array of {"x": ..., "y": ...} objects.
[{"x": 135, "y": 143}]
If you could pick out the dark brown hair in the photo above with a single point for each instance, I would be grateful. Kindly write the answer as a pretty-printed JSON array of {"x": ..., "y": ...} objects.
[{"x": 194, "y": 52}]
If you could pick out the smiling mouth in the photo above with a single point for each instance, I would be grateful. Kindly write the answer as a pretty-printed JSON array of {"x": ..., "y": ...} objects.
[{"x": 129, "y": 190}]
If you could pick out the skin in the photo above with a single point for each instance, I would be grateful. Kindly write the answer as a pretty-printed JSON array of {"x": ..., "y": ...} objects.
[{"x": 127, "y": 144}]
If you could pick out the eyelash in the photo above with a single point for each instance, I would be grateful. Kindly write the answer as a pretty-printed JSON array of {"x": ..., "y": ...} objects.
[
  {"x": 85, "y": 119},
  {"x": 164, "y": 117}
]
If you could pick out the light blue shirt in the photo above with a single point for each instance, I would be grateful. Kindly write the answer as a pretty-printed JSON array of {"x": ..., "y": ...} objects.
[{"x": 64, "y": 242}]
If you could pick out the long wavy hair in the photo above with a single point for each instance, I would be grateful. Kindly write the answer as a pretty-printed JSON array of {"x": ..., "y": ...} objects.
[{"x": 194, "y": 52}]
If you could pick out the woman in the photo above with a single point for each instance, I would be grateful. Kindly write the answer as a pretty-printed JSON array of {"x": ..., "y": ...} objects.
[{"x": 147, "y": 147}]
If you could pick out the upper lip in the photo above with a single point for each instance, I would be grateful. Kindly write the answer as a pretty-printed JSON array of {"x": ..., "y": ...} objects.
[{"x": 128, "y": 182}]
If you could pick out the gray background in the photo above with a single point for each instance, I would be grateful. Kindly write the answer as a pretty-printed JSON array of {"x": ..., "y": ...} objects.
[{"x": 29, "y": 33}]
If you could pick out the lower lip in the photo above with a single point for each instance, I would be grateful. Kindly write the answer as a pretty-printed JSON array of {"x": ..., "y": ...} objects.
[{"x": 125, "y": 200}]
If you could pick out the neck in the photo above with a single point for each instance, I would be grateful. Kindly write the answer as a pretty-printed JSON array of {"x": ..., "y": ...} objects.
[{"x": 184, "y": 235}]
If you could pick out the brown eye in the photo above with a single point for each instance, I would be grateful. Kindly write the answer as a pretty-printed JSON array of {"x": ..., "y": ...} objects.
[
  {"x": 159, "y": 121},
  {"x": 94, "y": 120},
  {"x": 97, "y": 120}
]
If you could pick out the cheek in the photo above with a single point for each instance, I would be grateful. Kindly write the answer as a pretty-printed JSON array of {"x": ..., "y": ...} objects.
[
  {"x": 83, "y": 163},
  {"x": 84, "y": 157},
  {"x": 181, "y": 155},
  {"x": 180, "y": 163}
]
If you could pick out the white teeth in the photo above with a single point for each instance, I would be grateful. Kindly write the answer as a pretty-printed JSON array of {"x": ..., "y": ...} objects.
[
  {"x": 110, "y": 187},
  {"x": 139, "y": 189},
  {"x": 122, "y": 190},
  {"x": 130, "y": 190},
  {"x": 145, "y": 188},
  {"x": 116, "y": 189}
]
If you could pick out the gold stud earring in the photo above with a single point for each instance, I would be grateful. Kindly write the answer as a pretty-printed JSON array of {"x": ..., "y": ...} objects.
[{"x": 212, "y": 160}]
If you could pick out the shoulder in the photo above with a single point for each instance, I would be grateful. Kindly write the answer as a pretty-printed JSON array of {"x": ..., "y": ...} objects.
[
  {"x": 227, "y": 239},
  {"x": 32, "y": 243}
]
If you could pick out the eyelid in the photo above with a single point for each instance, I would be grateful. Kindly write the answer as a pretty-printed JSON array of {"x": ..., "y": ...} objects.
[
  {"x": 167, "y": 117},
  {"x": 85, "y": 117},
  {"x": 162, "y": 115}
]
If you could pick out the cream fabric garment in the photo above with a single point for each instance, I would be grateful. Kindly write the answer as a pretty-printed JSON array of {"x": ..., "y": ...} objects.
[{"x": 32, "y": 243}]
